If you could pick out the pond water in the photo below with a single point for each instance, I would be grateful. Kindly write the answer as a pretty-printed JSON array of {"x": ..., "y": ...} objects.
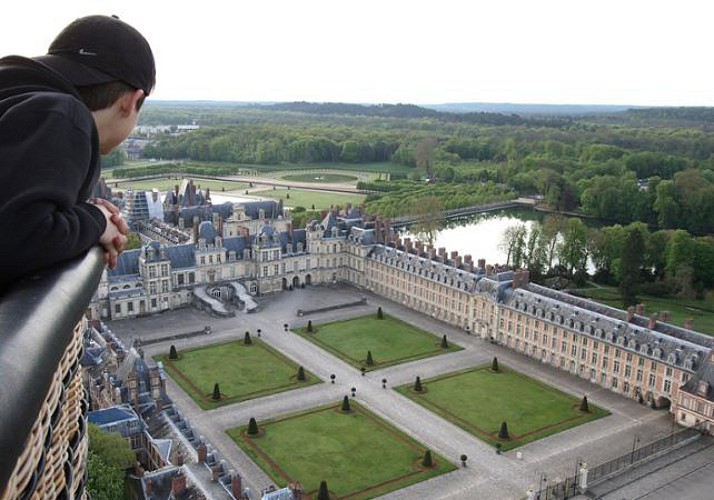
[{"x": 480, "y": 235}]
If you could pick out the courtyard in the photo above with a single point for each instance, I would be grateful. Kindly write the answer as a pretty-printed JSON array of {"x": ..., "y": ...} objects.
[{"x": 488, "y": 474}]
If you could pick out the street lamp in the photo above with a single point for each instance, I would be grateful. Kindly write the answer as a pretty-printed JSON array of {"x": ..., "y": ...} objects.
[
  {"x": 332, "y": 378},
  {"x": 384, "y": 383},
  {"x": 635, "y": 441},
  {"x": 354, "y": 390}
]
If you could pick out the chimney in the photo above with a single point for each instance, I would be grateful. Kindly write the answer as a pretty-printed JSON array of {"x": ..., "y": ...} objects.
[
  {"x": 149, "y": 488},
  {"x": 202, "y": 452},
  {"x": 458, "y": 262},
  {"x": 489, "y": 270},
  {"x": 194, "y": 230},
  {"x": 236, "y": 486},
  {"x": 470, "y": 266},
  {"x": 652, "y": 323},
  {"x": 181, "y": 224},
  {"x": 640, "y": 309},
  {"x": 520, "y": 278},
  {"x": 688, "y": 323},
  {"x": 216, "y": 472},
  {"x": 178, "y": 484},
  {"x": 432, "y": 253},
  {"x": 179, "y": 458},
  {"x": 630, "y": 313},
  {"x": 454, "y": 254},
  {"x": 442, "y": 252},
  {"x": 482, "y": 264},
  {"x": 398, "y": 243},
  {"x": 408, "y": 245},
  {"x": 468, "y": 258}
]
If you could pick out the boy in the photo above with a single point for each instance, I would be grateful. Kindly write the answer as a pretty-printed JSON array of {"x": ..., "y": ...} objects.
[{"x": 58, "y": 113}]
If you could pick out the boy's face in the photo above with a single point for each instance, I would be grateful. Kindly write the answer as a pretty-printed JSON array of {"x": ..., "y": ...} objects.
[{"x": 117, "y": 121}]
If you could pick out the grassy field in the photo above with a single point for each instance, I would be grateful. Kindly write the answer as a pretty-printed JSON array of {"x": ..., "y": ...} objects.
[
  {"x": 306, "y": 198},
  {"x": 390, "y": 340},
  {"x": 242, "y": 372},
  {"x": 321, "y": 178},
  {"x": 478, "y": 400},
  {"x": 701, "y": 311},
  {"x": 313, "y": 446}
]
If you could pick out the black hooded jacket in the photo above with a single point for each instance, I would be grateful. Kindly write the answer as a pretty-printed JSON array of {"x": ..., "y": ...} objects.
[{"x": 49, "y": 163}]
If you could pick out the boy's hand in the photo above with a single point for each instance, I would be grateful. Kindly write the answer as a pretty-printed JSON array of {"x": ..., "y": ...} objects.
[{"x": 114, "y": 237}]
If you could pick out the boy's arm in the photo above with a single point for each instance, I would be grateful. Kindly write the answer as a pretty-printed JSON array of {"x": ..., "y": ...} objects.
[{"x": 46, "y": 164}]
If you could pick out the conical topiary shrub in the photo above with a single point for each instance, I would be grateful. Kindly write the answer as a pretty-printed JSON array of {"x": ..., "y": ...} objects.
[
  {"x": 346, "y": 404},
  {"x": 323, "y": 493},
  {"x": 172, "y": 352},
  {"x": 309, "y": 326},
  {"x": 301, "y": 373},
  {"x": 370, "y": 360},
  {"x": 584, "y": 407},
  {"x": 427, "y": 460},
  {"x": 216, "y": 392},
  {"x": 246, "y": 339},
  {"x": 380, "y": 314},
  {"x": 494, "y": 364},
  {"x": 417, "y": 385},
  {"x": 444, "y": 343},
  {"x": 503, "y": 433},
  {"x": 252, "y": 427}
]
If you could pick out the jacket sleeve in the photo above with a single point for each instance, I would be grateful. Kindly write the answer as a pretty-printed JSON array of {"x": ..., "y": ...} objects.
[{"x": 46, "y": 166}]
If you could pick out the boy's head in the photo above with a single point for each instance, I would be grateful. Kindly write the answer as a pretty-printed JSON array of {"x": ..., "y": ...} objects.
[{"x": 103, "y": 57}]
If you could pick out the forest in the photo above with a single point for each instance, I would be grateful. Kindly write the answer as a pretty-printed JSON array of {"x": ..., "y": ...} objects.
[{"x": 649, "y": 173}]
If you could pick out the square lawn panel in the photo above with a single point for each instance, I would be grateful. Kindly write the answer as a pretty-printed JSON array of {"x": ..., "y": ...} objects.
[
  {"x": 390, "y": 340},
  {"x": 357, "y": 453},
  {"x": 479, "y": 400},
  {"x": 241, "y": 371}
]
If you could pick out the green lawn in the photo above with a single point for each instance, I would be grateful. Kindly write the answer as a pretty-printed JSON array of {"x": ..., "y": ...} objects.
[
  {"x": 306, "y": 198},
  {"x": 242, "y": 372},
  {"x": 701, "y": 311},
  {"x": 320, "y": 178},
  {"x": 390, "y": 340},
  {"x": 478, "y": 400},
  {"x": 358, "y": 454}
]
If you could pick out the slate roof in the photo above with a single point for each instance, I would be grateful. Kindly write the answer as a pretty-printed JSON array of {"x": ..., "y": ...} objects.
[{"x": 110, "y": 416}]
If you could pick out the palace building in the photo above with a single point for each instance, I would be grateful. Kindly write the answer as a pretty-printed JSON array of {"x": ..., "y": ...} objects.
[{"x": 256, "y": 251}]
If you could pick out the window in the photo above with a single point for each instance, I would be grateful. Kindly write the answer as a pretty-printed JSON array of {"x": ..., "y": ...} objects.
[
  {"x": 667, "y": 386},
  {"x": 639, "y": 374},
  {"x": 152, "y": 272},
  {"x": 117, "y": 308},
  {"x": 153, "y": 303},
  {"x": 152, "y": 288},
  {"x": 668, "y": 371},
  {"x": 130, "y": 307},
  {"x": 628, "y": 371},
  {"x": 651, "y": 380},
  {"x": 604, "y": 361},
  {"x": 165, "y": 286},
  {"x": 614, "y": 383},
  {"x": 180, "y": 278},
  {"x": 616, "y": 367},
  {"x": 607, "y": 349}
]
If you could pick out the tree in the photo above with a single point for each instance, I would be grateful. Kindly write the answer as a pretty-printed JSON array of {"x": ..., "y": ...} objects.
[
  {"x": 572, "y": 251},
  {"x": 246, "y": 339},
  {"x": 424, "y": 155},
  {"x": 346, "y": 405},
  {"x": 428, "y": 212},
  {"x": 503, "y": 433},
  {"x": 494, "y": 364},
  {"x": 417, "y": 385},
  {"x": 631, "y": 261},
  {"x": 253, "y": 427},
  {"x": 370, "y": 361},
  {"x": 216, "y": 392},
  {"x": 323, "y": 493},
  {"x": 444, "y": 343},
  {"x": 513, "y": 243},
  {"x": 309, "y": 326},
  {"x": 427, "y": 461},
  {"x": 584, "y": 405},
  {"x": 109, "y": 457},
  {"x": 172, "y": 352},
  {"x": 380, "y": 314},
  {"x": 301, "y": 373},
  {"x": 132, "y": 241}
]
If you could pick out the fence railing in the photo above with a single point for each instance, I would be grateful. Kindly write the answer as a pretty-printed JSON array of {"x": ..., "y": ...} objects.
[
  {"x": 638, "y": 454},
  {"x": 42, "y": 404}
]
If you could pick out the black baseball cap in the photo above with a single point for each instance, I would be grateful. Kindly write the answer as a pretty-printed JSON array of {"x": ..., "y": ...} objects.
[{"x": 101, "y": 49}]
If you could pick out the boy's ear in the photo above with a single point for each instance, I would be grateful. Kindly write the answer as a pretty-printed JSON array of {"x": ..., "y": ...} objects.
[{"x": 128, "y": 101}]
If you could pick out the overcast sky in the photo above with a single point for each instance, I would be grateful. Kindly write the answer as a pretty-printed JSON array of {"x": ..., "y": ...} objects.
[{"x": 410, "y": 51}]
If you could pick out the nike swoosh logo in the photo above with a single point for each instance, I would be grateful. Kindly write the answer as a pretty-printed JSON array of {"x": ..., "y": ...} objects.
[{"x": 84, "y": 52}]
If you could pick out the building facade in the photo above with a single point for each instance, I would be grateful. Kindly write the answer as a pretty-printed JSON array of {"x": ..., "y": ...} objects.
[{"x": 643, "y": 358}]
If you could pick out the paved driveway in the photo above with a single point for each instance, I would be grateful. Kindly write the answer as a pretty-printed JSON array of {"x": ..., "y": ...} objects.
[{"x": 488, "y": 475}]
